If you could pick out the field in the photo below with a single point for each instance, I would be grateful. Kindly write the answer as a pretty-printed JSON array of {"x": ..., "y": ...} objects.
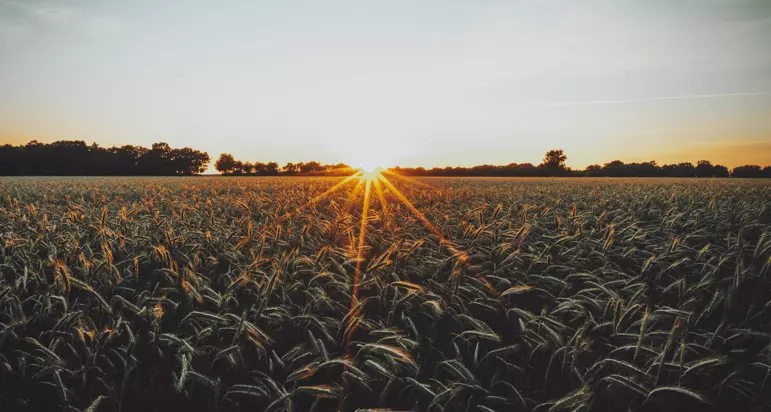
[{"x": 488, "y": 295}]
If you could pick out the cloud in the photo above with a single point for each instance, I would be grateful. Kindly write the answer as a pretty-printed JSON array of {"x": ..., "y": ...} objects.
[
  {"x": 649, "y": 99},
  {"x": 54, "y": 15}
]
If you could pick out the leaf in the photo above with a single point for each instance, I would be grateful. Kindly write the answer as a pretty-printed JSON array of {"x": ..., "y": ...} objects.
[
  {"x": 95, "y": 404},
  {"x": 481, "y": 334},
  {"x": 247, "y": 390},
  {"x": 677, "y": 389},
  {"x": 408, "y": 285},
  {"x": 712, "y": 361},
  {"x": 516, "y": 290},
  {"x": 390, "y": 351},
  {"x": 628, "y": 383},
  {"x": 321, "y": 391},
  {"x": 571, "y": 399}
]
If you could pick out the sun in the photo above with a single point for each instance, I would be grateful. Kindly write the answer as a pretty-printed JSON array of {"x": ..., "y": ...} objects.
[
  {"x": 369, "y": 167},
  {"x": 370, "y": 160}
]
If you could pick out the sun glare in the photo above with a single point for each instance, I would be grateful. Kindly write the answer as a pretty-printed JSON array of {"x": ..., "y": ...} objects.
[
  {"x": 370, "y": 159},
  {"x": 371, "y": 173}
]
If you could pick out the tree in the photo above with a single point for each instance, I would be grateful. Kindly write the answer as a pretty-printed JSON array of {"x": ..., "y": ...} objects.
[
  {"x": 259, "y": 168},
  {"x": 11, "y": 160},
  {"x": 271, "y": 169},
  {"x": 704, "y": 168},
  {"x": 593, "y": 170},
  {"x": 721, "y": 171},
  {"x": 157, "y": 161},
  {"x": 225, "y": 164},
  {"x": 679, "y": 170},
  {"x": 187, "y": 161},
  {"x": 554, "y": 161},
  {"x": 615, "y": 168},
  {"x": 310, "y": 167},
  {"x": 644, "y": 169},
  {"x": 69, "y": 158},
  {"x": 747, "y": 171},
  {"x": 291, "y": 168},
  {"x": 126, "y": 159}
]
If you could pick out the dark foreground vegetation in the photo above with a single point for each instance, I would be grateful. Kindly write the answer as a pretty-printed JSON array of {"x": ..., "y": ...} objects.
[
  {"x": 76, "y": 158},
  {"x": 212, "y": 294}
]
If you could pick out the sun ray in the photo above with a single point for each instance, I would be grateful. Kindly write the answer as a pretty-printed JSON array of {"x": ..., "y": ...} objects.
[
  {"x": 352, "y": 196},
  {"x": 462, "y": 256},
  {"x": 326, "y": 193},
  {"x": 346, "y": 208},
  {"x": 380, "y": 196},
  {"x": 359, "y": 256},
  {"x": 407, "y": 178},
  {"x": 430, "y": 226}
]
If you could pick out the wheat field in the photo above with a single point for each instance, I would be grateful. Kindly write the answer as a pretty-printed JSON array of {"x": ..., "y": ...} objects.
[{"x": 223, "y": 294}]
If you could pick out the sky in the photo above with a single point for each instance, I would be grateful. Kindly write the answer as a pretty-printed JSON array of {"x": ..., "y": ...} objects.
[{"x": 397, "y": 82}]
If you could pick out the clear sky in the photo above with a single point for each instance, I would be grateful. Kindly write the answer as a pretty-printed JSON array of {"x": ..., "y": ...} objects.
[{"x": 413, "y": 82}]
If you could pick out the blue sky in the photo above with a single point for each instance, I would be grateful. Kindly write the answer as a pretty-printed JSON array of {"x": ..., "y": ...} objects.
[{"x": 403, "y": 82}]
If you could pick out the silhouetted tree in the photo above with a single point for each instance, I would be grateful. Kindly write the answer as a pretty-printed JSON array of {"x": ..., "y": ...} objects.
[
  {"x": 11, "y": 160},
  {"x": 225, "y": 164},
  {"x": 75, "y": 157},
  {"x": 126, "y": 159},
  {"x": 271, "y": 169},
  {"x": 615, "y": 168},
  {"x": 593, "y": 170},
  {"x": 310, "y": 167},
  {"x": 247, "y": 168},
  {"x": 644, "y": 169},
  {"x": 290, "y": 168},
  {"x": 704, "y": 168},
  {"x": 748, "y": 171},
  {"x": 157, "y": 161},
  {"x": 721, "y": 171},
  {"x": 679, "y": 170},
  {"x": 259, "y": 168},
  {"x": 187, "y": 161},
  {"x": 554, "y": 161}
]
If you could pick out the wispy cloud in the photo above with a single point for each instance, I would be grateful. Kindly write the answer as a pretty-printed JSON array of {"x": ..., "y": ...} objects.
[
  {"x": 649, "y": 99},
  {"x": 50, "y": 14}
]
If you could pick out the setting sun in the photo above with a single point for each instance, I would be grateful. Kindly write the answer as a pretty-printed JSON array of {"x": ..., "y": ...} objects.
[
  {"x": 371, "y": 173},
  {"x": 368, "y": 164},
  {"x": 369, "y": 157}
]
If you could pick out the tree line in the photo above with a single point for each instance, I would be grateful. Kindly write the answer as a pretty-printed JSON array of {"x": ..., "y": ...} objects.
[
  {"x": 554, "y": 165},
  {"x": 76, "y": 158},
  {"x": 229, "y": 166}
]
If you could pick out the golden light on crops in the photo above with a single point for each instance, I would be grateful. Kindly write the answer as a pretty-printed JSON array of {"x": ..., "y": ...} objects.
[
  {"x": 377, "y": 178},
  {"x": 579, "y": 266}
]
